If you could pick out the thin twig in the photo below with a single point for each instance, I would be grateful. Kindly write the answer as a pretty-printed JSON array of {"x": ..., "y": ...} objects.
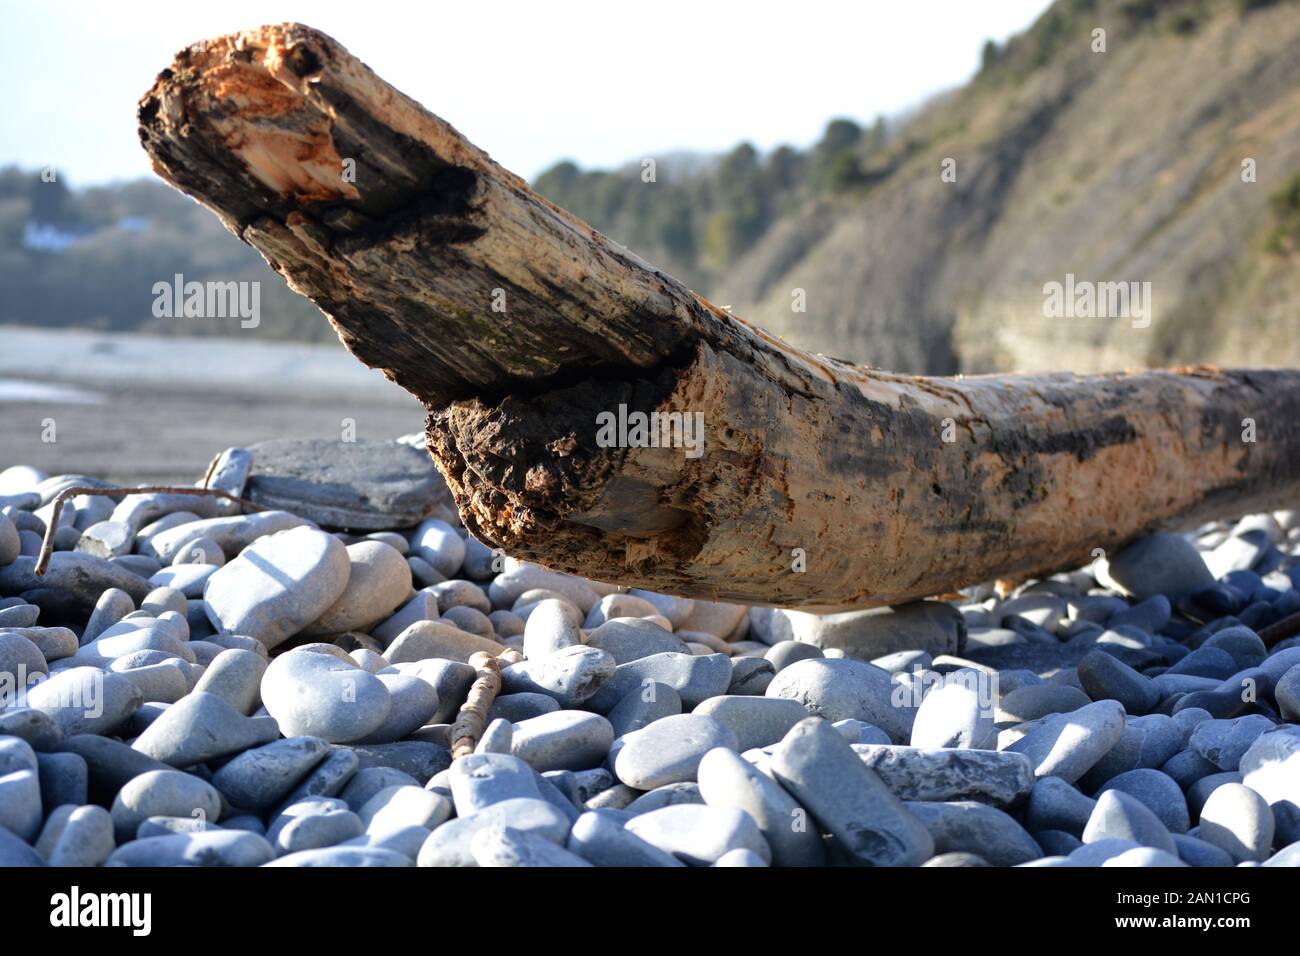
[
  {"x": 47, "y": 545},
  {"x": 1278, "y": 631},
  {"x": 472, "y": 719}
]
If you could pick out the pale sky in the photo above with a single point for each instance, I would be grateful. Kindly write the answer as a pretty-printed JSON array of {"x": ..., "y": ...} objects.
[{"x": 532, "y": 83}]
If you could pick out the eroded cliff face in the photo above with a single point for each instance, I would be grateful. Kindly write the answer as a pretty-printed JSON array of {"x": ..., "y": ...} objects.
[{"x": 1131, "y": 165}]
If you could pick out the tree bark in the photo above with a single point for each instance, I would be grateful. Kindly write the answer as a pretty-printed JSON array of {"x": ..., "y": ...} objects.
[{"x": 820, "y": 484}]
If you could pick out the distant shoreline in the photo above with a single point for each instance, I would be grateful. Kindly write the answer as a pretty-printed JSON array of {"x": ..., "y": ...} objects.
[
  {"x": 138, "y": 408},
  {"x": 91, "y": 358}
]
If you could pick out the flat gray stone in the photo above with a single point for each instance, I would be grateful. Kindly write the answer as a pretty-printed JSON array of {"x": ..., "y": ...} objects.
[
  {"x": 1034, "y": 701},
  {"x": 521, "y": 706},
  {"x": 413, "y": 703},
  {"x": 1147, "y": 741},
  {"x": 233, "y": 533},
  {"x": 344, "y": 856},
  {"x": 668, "y": 795},
  {"x": 83, "y": 577},
  {"x": 1195, "y": 852},
  {"x": 750, "y": 676},
  {"x": 438, "y": 543},
  {"x": 20, "y": 789},
  {"x": 34, "y": 726},
  {"x": 552, "y": 625},
  {"x": 642, "y": 706},
  {"x": 65, "y": 778},
  {"x": 20, "y": 661},
  {"x": 519, "y": 577},
  {"x": 439, "y": 640},
  {"x": 420, "y": 759},
  {"x": 359, "y": 485},
  {"x": 15, "y": 852},
  {"x": 328, "y": 777},
  {"x": 1104, "y": 676},
  {"x": 235, "y": 676},
  {"x": 1224, "y": 742},
  {"x": 1271, "y": 765},
  {"x": 957, "y": 713},
  {"x": 1158, "y": 792},
  {"x": 364, "y": 784},
  {"x": 76, "y": 836},
  {"x": 1164, "y": 563},
  {"x": 930, "y": 626},
  {"x": 1000, "y": 779},
  {"x": 312, "y": 824},
  {"x": 85, "y": 700}
]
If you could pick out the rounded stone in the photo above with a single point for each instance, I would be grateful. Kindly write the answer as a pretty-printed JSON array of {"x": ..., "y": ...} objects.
[
  {"x": 167, "y": 793},
  {"x": 631, "y": 639},
  {"x": 842, "y": 689},
  {"x": 699, "y": 835},
  {"x": 315, "y": 695},
  {"x": 551, "y": 627},
  {"x": 413, "y": 703},
  {"x": 784, "y": 653},
  {"x": 203, "y": 848},
  {"x": 1117, "y": 815},
  {"x": 263, "y": 777},
  {"x": 755, "y": 721},
  {"x": 563, "y": 740},
  {"x": 957, "y": 713},
  {"x": 77, "y": 836},
  {"x": 438, "y": 543},
  {"x": 1237, "y": 820},
  {"x": 278, "y": 585},
  {"x": 235, "y": 676},
  {"x": 200, "y": 727},
  {"x": 727, "y": 780},
  {"x": 1158, "y": 792},
  {"x": 378, "y": 583},
  {"x": 570, "y": 675},
  {"x": 669, "y": 750}
]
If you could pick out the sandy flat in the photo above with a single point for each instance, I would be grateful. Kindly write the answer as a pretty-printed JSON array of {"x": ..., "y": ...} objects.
[{"x": 148, "y": 408}]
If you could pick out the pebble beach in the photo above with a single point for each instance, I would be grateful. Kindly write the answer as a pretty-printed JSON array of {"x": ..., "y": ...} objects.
[{"x": 192, "y": 685}]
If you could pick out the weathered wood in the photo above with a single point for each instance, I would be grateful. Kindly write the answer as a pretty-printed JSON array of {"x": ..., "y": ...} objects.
[{"x": 882, "y": 487}]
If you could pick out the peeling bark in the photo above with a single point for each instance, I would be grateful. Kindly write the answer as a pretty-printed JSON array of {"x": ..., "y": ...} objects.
[{"x": 892, "y": 487}]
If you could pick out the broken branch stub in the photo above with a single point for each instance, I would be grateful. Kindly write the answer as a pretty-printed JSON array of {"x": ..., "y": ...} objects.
[{"x": 522, "y": 329}]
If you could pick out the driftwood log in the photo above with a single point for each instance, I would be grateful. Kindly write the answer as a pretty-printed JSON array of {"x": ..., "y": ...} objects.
[{"x": 820, "y": 483}]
